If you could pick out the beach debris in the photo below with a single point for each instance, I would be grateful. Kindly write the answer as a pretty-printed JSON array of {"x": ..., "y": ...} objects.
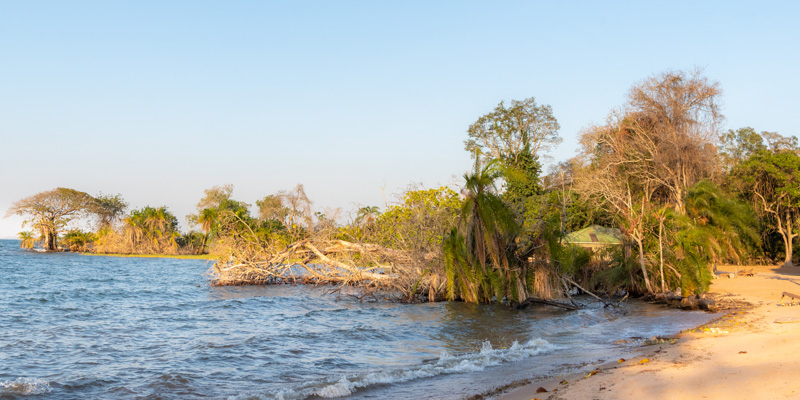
[
  {"x": 621, "y": 360},
  {"x": 541, "y": 390},
  {"x": 787, "y": 320},
  {"x": 644, "y": 361},
  {"x": 564, "y": 382},
  {"x": 715, "y": 331},
  {"x": 593, "y": 373},
  {"x": 659, "y": 340},
  {"x": 742, "y": 352},
  {"x": 791, "y": 296},
  {"x": 746, "y": 272}
]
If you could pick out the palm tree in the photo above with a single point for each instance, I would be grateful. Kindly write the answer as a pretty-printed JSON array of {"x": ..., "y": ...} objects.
[
  {"x": 731, "y": 224},
  {"x": 366, "y": 215},
  {"x": 208, "y": 221},
  {"x": 714, "y": 227},
  {"x": 156, "y": 220},
  {"x": 133, "y": 230},
  {"x": 27, "y": 240},
  {"x": 484, "y": 265}
]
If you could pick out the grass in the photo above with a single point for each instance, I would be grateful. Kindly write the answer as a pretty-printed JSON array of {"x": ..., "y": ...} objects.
[{"x": 179, "y": 256}]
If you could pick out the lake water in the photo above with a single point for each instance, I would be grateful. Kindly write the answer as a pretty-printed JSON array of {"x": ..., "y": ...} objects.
[{"x": 80, "y": 327}]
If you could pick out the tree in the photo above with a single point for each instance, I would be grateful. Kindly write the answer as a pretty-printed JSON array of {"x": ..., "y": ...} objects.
[
  {"x": 271, "y": 207},
  {"x": 777, "y": 143},
  {"x": 151, "y": 229},
  {"x": 479, "y": 252},
  {"x": 366, "y": 215},
  {"x": 771, "y": 181},
  {"x": 715, "y": 228},
  {"x": 419, "y": 223},
  {"x": 506, "y": 133},
  {"x": 291, "y": 207},
  {"x": 673, "y": 116},
  {"x": 614, "y": 170},
  {"x": 514, "y": 138},
  {"x": 109, "y": 209},
  {"x": 78, "y": 240},
  {"x": 737, "y": 146},
  {"x": 27, "y": 240},
  {"x": 214, "y": 196},
  {"x": 50, "y": 211}
]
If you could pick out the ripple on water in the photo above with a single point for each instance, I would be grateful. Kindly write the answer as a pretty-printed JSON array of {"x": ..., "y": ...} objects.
[
  {"x": 136, "y": 328},
  {"x": 25, "y": 386}
]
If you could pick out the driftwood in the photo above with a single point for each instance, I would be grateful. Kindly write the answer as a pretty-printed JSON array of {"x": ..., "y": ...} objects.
[
  {"x": 686, "y": 303},
  {"x": 369, "y": 268},
  {"x": 533, "y": 300},
  {"x": 605, "y": 303},
  {"x": 789, "y": 295}
]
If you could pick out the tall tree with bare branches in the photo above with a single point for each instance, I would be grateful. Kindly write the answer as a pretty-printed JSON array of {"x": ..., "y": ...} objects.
[{"x": 676, "y": 115}]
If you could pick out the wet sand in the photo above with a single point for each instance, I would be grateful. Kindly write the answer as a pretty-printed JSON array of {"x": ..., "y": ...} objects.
[{"x": 745, "y": 354}]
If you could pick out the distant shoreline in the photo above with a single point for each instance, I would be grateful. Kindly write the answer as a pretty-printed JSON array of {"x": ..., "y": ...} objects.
[{"x": 178, "y": 256}]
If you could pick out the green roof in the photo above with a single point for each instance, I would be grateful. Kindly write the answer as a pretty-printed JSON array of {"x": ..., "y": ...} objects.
[{"x": 595, "y": 234}]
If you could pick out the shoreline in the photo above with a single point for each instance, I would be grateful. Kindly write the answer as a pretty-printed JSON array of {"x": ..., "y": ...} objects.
[
  {"x": 742, "y": 354},
  {"x": 176, "y": 256}
]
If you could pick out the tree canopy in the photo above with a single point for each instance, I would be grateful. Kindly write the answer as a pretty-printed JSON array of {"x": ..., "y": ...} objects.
[{"x": 48, "y": 212}]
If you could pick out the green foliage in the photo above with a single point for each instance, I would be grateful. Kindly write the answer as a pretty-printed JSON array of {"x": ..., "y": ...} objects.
[
  {"x": 621, "y": 273},
  {"x": 736, "y": 146},
  {"x": 48, "y": 212},
  {"x": 27, "y": 240},
  {"x": 730, "y": 224},
  {"x": 109, "y": 209},
  {"x": 479, "y": 253},
  {"x": 77, "y": 240},
  {"x": 507, "y": 132},
  {"x": 151, "y": 230},
  {"x": 715, "y": 228},
  {"x": 418, "y": 223},
  {"x": 771, "y": 182},
  {"x": 570, "y": 258}
]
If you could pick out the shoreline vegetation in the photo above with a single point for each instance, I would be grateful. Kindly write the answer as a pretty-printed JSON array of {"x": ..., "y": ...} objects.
[
  {"x": 683, "y": 196},
  {"x": 209, "y": 257}
]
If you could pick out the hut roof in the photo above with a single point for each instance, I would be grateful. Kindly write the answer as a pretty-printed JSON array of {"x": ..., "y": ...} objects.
[{"x": 595, "y": 234}]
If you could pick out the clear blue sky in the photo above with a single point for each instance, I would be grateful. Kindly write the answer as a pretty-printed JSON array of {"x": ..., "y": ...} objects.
[{"x": 159, "y": 100}]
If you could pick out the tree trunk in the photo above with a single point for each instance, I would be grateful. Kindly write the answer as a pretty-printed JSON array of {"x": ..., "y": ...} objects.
[
  {"x": 644, "y": 268},
  {"x": 661, "y": 254},
  {"x": 50, "y": 240},
  {"x": 788, "y": 238}
]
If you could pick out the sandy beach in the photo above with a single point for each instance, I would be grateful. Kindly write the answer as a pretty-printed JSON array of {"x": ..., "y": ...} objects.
[{"x": 745, "y": 354}]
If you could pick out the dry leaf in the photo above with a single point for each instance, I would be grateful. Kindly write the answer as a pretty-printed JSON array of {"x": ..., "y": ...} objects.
[{"x": 541, "y": 390}]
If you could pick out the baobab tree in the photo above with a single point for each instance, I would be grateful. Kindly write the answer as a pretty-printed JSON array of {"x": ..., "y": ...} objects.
[{"x": 48, "y": 212}]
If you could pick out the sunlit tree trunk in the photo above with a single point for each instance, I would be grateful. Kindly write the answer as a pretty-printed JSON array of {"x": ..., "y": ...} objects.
[{"x": 661, "y": 252}]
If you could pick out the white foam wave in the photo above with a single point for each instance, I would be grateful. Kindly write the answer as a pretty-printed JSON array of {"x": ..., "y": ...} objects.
[
  {"x": 446, "y": 364},
  {"x": 25, "y": 386}
]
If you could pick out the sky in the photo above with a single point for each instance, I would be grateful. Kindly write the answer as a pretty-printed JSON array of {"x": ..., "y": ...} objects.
[{"x": 356, "y": 100}]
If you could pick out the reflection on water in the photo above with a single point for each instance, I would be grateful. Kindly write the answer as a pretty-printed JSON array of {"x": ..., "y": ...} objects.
[{"x": 78, "y": 327}]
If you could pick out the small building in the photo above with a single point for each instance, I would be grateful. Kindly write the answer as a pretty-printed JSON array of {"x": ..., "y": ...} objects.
[{"x": 594, "y": 237}]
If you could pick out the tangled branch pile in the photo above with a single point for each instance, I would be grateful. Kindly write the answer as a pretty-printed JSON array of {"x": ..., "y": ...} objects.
[{"x": 396, "y": 254}]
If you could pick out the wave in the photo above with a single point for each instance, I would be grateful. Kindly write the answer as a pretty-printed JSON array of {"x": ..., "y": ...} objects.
[
  {"x": 26, "y": 386},
  {"x": 444, "y": 365}
]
